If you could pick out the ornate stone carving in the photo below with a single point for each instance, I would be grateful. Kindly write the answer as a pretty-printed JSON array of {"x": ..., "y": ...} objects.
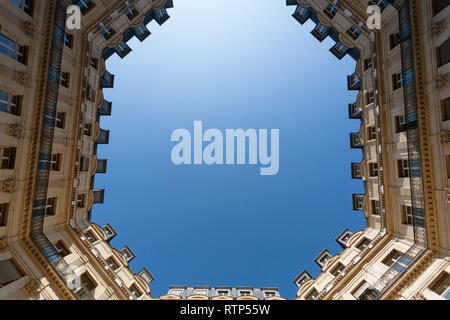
[
  {"x": 28, "y": 28},
  {"x": 32, "y": 288},
  {"x": 418, "y": 296},
  {"x": 438, "y": 27},
  {"x": 21, "y": 77},
  {"x": 8, "y": 185},
  {"x": 14, "y": 130},
  {"x": 445, "y": 137},
  {"x": 442, "y": 81}
]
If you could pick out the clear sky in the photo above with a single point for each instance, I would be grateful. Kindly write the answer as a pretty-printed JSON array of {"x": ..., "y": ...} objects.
[{"x": 232, "y": 64}]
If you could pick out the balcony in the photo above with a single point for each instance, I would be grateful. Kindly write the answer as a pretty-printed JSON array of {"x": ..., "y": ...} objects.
[
  {"x": 358, "y": 200},
  {"x": 101, "y": 166},
  {"x": 353, "y": 82},
  {"x": 105, "y": 109},
  {"x": 355, "y": 141},
  {"x": 353, "y": 111},
  {"x": 107, "y": 81},
  {"x": 103, "y": 138},
  {"x": 99, "y": 196}
]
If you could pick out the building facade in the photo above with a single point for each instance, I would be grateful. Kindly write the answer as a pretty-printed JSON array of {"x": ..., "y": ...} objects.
[{"x": 51, "y": 106}]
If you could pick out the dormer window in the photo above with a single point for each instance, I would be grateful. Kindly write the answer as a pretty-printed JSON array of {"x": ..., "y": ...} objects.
[
  {"x": 176, "y": 292},
  {"x": 223, "y": 293},
  {"x": 356, "y": 171},
  {"x": 323, "y": 257},
  {"x": 245, "y": 293},
  {"x": 358, "y": 200},
  {"x": 302, "y": 278},
  {"x": 342, "y": 239},
  {"x": 110, "y": 232},
  {"x": 202, "y": 292},
  {"x": 128, "y": 254},
  {"x": 270, "y": 294}
]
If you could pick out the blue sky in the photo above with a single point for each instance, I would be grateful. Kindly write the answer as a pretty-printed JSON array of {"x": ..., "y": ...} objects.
[{"x": 231, "y": 64}]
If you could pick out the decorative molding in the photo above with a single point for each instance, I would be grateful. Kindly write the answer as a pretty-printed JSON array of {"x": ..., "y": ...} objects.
[
  {"x": 14, "y": 130},
  {"x": 442, "y": 81},
  {"x": 410, "y": 276},
  {"x": 28, "y": 28},
  {"x": 8, "y": 185},
  {"x": 445, "y": 137},
  {"x": 21, "y": 77},
  {"x": 438, "y": 27},
  {"x": 32, "y": 288},
  {"x": 418, "y": 296}
]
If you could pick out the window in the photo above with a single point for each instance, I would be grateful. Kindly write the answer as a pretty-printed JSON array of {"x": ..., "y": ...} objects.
[
  {"x": 373, "y": 169},
  {"x": 397, "y": 81},
  {"x": 85, "y": 5},
  {"x": 60, "y": 120},
  {"x": 9, "y": 272},
  {"x": 400, "y": 122},
  {"x": 330, "y": 11},
  {"x": 10, "y": 103},
  {"x": 367, "y": 64},
  {"x": 245, "y": 293},
  {"x": 84, "y": 167},
  {"x": 362, "y": 291},
  {"x": 64, "y": 79},
  {"x": 439, "y": 5},
  {"x": 93, "y": 62},
  {"x": 81, "y": 200},
  {"x": 445, "y": 109},
  {"x": 370, "y": 97},
  {"x": 87, "y": 282},
  {"x": 312, "y": 294},
  {"x": 176, "y": 292},
  {"x": 354, "y": 32},
  {"x": 337, "y": 270},
  {"x": 108, "y": 32},
  {"x": 50, "y": 207},
  {"x": 372, "y": 133},
  {"x": 68, "y": 40},
  {"x": 270, "y": 294},
  {"x": 12, "y": 49},
  {"x": 55, "y": 162},
  {"x": 403, "y": 168},
  {"x": 135, "y": 291},
  {"x": 392, "y": 258},
  {"x": 112, "y": 264},
  {"x": 24, "y": 5},
  {"x": 447, "y": 162},
  {"x": 131, "y": 13},
  {"x": 4, "y": 209},
  {"x": 442, "y": 286},
  {"x": 88, "y": 129},
  {"x": 376, "y": 209},
  {"x": 407, "y": 215},
  {"x": 90, "y": 237},
  {"x": 363, "y": 244},
  {"x": 394, "y": 40},
  {"x": 443, "y": 53},
  {"x": 202, "y": 292},
  {"x": 90, "y": 94},
  {"x": 7, "y": 157},
  {"x": 62, "y": 248},
  {"x": 222, "y": 293}
]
